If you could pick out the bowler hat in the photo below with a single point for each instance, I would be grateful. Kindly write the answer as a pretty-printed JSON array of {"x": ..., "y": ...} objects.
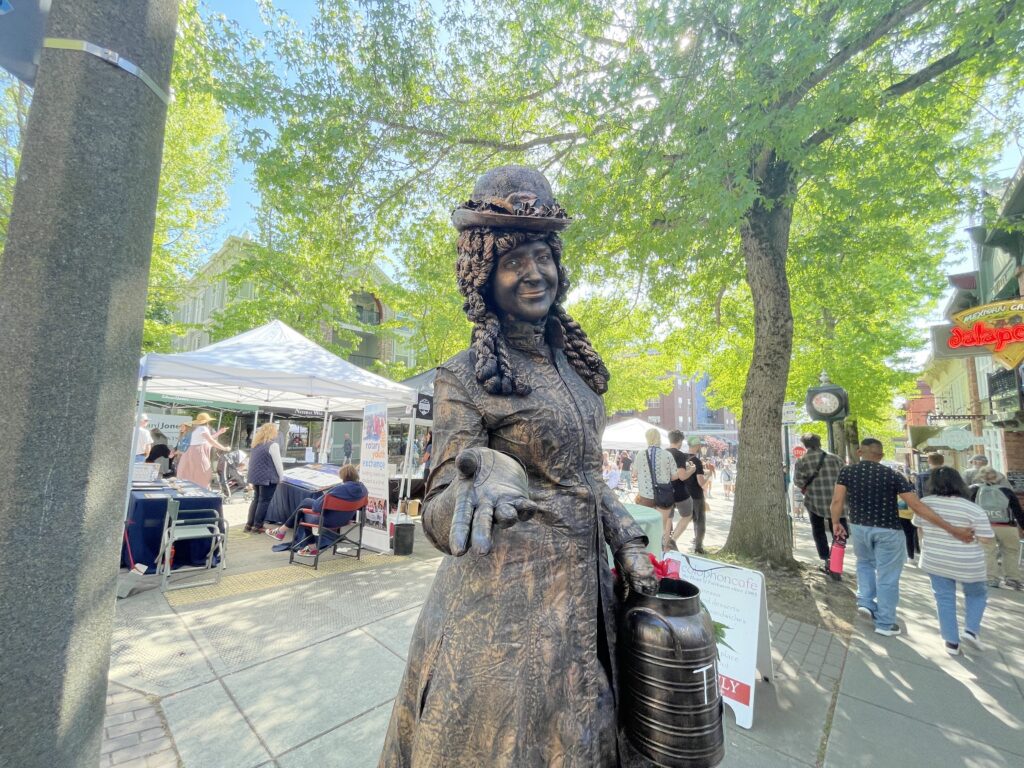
[{"x": 512, "y": 197}]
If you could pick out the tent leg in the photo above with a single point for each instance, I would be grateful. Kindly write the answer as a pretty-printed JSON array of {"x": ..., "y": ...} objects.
[
  {"x": 324, "y": 458},
  {"x": 135, "y": 443},
  {"x": 405, "y": 487}
]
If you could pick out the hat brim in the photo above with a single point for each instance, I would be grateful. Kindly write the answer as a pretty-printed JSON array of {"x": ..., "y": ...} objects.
[{"x": 465, "y": 219}]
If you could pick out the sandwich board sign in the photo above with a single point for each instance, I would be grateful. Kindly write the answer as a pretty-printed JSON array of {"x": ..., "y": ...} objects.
[{"x": 735, "y": 597}]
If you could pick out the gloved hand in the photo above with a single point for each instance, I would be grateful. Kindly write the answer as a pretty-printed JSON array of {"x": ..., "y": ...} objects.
[
  {"x": 635, "y": 565},
  {"x": 493, "y": 490}
]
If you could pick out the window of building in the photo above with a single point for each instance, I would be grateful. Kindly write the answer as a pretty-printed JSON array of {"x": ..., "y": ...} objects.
[{"x": 654, "y": 419}]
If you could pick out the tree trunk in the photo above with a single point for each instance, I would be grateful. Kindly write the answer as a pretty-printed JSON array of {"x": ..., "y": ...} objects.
[
  {"x": 760, "y": 528},
  {"x": 852, "y": 440}
]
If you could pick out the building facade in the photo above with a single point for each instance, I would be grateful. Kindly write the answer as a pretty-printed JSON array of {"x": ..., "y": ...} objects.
[
  {"x": 209, "y": 292},
  {"x": 974, "y": 371},
  {"x": 686, "y": 408}
]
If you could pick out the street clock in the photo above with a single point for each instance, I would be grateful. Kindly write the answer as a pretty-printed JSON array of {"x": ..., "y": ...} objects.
[{"x": 827, "y": 401}]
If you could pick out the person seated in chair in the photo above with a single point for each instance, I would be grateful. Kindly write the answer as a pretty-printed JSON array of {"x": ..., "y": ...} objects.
[{"x": 350, "y": 490}]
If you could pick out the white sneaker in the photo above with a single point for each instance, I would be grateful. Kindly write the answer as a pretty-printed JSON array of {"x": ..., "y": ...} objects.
[{"x": 973, "y": 640}]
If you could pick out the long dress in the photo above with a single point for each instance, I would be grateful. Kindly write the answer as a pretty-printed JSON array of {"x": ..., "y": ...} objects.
[
  {"x": 512, "y": 663},
  {"x": 194, "y": 465}
]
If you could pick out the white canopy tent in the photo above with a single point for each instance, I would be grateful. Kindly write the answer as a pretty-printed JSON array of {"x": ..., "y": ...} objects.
[
  {"x": 628, "y": 435},
  {"x": 272, "y": 367}
]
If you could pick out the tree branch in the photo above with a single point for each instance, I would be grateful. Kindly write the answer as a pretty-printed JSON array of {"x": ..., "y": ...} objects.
[
  {"x": 523, "y": 146},
  {"x": 882, "y": 27},
  {"x": 934, "y": 70}
]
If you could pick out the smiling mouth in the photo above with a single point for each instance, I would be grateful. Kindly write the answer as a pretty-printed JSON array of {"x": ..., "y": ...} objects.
[{"x": 533, "y": 294}]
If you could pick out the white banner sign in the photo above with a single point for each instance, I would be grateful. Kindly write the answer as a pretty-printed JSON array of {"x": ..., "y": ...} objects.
[
  {"x": 735, "y": 598},
  {"x": 167, "y": 424},
  {"x": 373, "y": 471}
]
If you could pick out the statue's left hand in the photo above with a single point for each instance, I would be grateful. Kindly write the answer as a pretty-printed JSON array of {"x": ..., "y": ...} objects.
[
  {"x": 492, "y": 490},
  {"x": 636, "y": 566}
]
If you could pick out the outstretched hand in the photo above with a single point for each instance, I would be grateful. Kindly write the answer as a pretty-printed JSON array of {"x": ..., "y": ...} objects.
[{"x": 492, "y": 490}]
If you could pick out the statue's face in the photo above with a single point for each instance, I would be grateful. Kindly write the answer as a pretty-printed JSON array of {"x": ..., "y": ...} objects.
[{"x": 525, "y": 282}]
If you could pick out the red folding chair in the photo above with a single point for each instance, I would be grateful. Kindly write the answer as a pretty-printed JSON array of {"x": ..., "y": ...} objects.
[{"x": 339, "y": 534}]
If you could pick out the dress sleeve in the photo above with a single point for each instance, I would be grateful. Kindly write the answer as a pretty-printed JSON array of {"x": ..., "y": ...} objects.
[
  {"x": 458, "y": 424},
  {"x": 619, "y": 526}
]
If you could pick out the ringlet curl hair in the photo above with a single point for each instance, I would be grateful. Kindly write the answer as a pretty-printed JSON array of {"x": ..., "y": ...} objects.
[{"x": 479, "y": 249}]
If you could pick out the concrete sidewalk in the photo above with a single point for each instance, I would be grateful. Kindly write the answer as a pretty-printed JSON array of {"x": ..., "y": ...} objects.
[
  {"x": 283, "y": 666},
  {"x": 903, "y": 700}
]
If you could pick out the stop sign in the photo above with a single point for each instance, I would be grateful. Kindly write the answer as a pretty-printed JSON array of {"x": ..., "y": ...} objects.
[{"x": 799, "y": 451}]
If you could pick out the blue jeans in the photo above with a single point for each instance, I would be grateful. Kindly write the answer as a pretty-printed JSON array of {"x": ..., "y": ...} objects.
[
  {"x": 881, "y": 553},
  {"x": 975, "y": 599}
]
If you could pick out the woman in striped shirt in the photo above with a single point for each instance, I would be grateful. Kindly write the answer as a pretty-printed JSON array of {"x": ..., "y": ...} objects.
[{"x": 948, "y": 561}]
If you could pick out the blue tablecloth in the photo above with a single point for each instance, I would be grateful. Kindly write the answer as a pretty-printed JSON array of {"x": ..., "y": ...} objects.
[{"x": 145, "y": 524}]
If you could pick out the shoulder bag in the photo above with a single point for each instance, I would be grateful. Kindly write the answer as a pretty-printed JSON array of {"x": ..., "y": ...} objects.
[
  {"x": 814, "y": 474},
  {"x": 664, "y": 494}
]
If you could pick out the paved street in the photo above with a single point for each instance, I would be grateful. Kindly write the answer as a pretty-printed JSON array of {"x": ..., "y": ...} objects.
[{"x": 283, "y": 666}]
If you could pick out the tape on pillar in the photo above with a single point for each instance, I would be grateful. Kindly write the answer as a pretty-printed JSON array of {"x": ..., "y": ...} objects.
[{"x": 109, "y": 56}]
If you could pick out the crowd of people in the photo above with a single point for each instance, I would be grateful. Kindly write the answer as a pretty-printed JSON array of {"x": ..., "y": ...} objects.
[
  {"x": 957, "y": 529},
  {"x": 689, "y": 475}
]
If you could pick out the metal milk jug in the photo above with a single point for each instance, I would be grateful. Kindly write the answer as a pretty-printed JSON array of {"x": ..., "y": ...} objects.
[{"x": 671, "y": 704}]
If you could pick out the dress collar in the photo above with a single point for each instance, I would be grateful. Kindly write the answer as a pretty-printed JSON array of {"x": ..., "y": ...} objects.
[{"x": 533, "y": 337}]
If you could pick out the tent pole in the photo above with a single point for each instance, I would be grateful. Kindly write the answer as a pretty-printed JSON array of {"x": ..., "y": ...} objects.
[
  {"x": 405, "y": 487},
  {"x": 135, "y": 442},
  {"x": 323, "y": 433},
  {"x": 220, "y": 416}
]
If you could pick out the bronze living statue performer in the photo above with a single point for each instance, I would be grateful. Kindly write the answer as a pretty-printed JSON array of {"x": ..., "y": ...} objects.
[{"x": 512, "y": 664}]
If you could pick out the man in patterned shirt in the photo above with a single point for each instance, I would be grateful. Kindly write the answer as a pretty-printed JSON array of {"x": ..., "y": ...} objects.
[
  {"x": 871, "y": 490},
  {"x": 815, "y": 475}
]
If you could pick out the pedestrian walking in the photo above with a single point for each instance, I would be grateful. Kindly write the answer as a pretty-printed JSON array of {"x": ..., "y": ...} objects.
[
  {"x": 815, "y": 475},
  {"x": 934, "y": 461},
  {"x": 979, "y": 462},
  {"x": 195, "y": 465},
  {"x": 346, "y": 450},
  {"x": 695, "y": 485},
  {"x": 728, "y": 476},
  {"x": 654, "y": 468},
  {"x": 626, "y": 465},
  {"x": 1003, "y": 511},
  {"x": 710, "y": 471},
  {"x": 683, "y": 506},
  {"x": 872, "y": 490},
  {"x": 948, "y": 561}
]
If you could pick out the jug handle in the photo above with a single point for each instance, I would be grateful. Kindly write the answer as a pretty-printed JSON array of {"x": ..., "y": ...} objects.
[{"x": 661, "y": 619}]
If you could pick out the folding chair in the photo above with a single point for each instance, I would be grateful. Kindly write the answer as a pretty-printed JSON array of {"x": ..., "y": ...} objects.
[
  {"x": 326, "y": 535},
  {"x": 188, "y": 526}
]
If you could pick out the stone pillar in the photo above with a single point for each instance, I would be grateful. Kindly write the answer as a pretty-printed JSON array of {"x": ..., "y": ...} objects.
[{"x": 72, "y": 297}]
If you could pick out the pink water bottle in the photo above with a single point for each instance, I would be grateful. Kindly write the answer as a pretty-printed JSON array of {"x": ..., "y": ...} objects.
[{"x": 835, "y": 560}]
